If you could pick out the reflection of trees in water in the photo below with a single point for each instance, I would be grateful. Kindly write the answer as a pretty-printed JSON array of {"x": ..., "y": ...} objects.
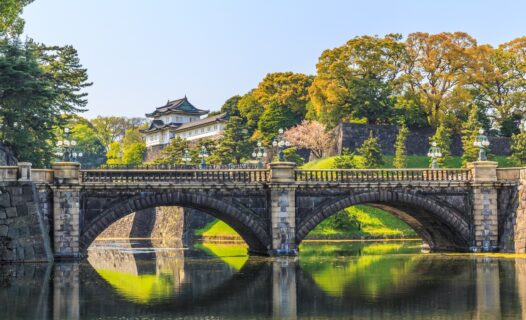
[{"x": 200, "y": 285}]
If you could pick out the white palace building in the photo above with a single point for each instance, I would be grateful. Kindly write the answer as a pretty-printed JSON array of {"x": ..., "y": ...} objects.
[{"x": 179, "y": 118}]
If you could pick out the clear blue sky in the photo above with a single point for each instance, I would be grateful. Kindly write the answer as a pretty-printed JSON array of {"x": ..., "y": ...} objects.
[{"x": 141, "y": 53}]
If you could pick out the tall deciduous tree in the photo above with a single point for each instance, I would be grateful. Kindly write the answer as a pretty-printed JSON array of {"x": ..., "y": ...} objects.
[
  {"x": 110, "y": 129},
  {"x": 436, "y": 72},
  {"x": 400, "y": 159},
  {"x": 357, "y": 80},
  {"x": 287, "y": 89},
  {"x": 500, "y": 81},
  {"x": 310, "y": 135},
  {"x": 251, "y": 110},
  {"x": 83, "y": 133}
]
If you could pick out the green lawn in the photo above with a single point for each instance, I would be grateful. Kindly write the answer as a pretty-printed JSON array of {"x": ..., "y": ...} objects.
[
  {"x": 412, "y": 162},
  {"x": 216, "y": 228}
]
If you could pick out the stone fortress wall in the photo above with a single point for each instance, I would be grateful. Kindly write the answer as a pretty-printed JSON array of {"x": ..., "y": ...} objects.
[{"x": 351, "y": 136}]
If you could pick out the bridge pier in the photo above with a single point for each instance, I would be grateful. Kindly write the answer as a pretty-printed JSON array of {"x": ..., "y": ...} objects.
[
  {"x": 485, "y": 206},
  {"x": 283, "y": 209},
  {"x": 66, "y": 211}
]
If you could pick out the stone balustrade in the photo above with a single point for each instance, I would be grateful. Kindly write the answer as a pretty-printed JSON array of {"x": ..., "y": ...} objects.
[
  {"x": 42, "y": 176},
  {"x": 382, "y": 175},
  {"x": 8, "y": 173}
]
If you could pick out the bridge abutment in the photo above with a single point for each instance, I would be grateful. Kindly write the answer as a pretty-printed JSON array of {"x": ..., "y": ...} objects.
[
  {"x": 66, "y": 211},
  {"x": 485, "y": 206}
]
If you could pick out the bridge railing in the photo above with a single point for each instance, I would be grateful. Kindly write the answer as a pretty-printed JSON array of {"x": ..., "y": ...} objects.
[
  {"x": 382, "y": 175},
  {"x": 173, "y": 176}
]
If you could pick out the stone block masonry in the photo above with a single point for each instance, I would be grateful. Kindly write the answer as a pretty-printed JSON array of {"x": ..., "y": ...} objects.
[
  {"x": 520, "y": 222},
  {"x": 352, "y": 136},
  {"x": 24, "y": 233}
]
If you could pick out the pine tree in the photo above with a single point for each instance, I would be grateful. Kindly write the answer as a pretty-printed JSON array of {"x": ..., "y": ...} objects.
[
  {"x": 345, "y": 161},
  {"x": 371, "y": 153},
  {"x": 400, "y": 159},
  {"x": 173, "y": 152},
  {"x": 235, "y": 144},
  {"x": 518, "y": 147},
  {"x": 275, "y": 117},
  {"x": 470, "y": 130},
  {"x": 442, "y": 137}
]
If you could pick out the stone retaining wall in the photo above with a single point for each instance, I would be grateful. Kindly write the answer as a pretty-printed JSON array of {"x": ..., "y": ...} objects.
[
  {"x": 24, "y": 231},
  {"x": 352, "y": 136},
  {"x": 161, "y": 223}
]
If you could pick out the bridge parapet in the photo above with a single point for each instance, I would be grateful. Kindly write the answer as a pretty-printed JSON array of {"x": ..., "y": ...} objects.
[
  {"x": 8, "y": 173},
  {"x": 173, "y": 176},
  {"x": 382, "y": 175}
]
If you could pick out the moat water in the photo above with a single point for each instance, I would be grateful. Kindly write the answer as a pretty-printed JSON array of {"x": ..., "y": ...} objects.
[{"x": 372, "y": 280}]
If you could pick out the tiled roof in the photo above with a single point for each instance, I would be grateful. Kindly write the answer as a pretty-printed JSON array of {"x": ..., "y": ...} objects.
[
  {"x": 188, "y": 125},
  {"x": 156, "y": 125},
  {"x": 177, "y": 106}
]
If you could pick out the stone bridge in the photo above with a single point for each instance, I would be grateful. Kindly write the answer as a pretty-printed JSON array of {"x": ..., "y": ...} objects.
[{"x": 481, "y": 208}]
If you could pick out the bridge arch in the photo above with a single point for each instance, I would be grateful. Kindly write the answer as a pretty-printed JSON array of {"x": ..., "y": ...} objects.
[
  {"x": 441, "y": 227},
  {"x": 242, "y": 220}
]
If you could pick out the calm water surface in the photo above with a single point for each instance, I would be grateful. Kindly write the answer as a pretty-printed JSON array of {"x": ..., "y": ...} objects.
[{"x": 393, "y": 280}]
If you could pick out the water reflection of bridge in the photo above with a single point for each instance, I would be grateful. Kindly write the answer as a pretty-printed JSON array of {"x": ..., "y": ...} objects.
[{"x": 183, "y": 284}]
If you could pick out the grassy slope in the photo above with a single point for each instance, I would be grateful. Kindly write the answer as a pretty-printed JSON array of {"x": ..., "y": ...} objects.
[{"x": 412, "y": 162}]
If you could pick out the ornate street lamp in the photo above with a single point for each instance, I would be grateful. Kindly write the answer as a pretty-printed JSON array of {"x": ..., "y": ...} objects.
[
  {"x": 186, "y": 157},
  {"x": 282, "y": 144},
  {"x": 434, "y": 153},
  {"x": 482, "y": 142},
  {"x": 203, "y": 154},
  {"x": 67, "y": 148},
  {"x": 258, "y": 154}
]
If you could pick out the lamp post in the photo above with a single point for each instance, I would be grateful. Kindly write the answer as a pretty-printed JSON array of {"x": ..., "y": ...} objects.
[
  {"x": 67, "y": 148},
  {"x": 482, "y": 142},
  {"x": 186, "y": 157},
  {"x": 258, "y": 154},
  {"x": 282, "y": 144},
  {"x": 203, "y": 154},
  {"x": 434, "y": 153}
]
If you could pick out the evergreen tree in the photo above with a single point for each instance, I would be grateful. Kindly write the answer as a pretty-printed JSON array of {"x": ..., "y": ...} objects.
[
  {"x": 173, "y": 152},
  {"x": 400, "y": 159},
  {"x": 371, "y": 153},
  {"x": 518, "y": 148},
  {"x": 291, "y": 155},
  {"x": 345, "y": 161},
  {"x": 230, "y": 106},
  {"x": 442, "y": 137},
  {"x": 27, "y": 111},
  {"x": 235, "y": 144},
  {"x": 275, "y": 117},
  {"x": 470, "y": 130}
]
